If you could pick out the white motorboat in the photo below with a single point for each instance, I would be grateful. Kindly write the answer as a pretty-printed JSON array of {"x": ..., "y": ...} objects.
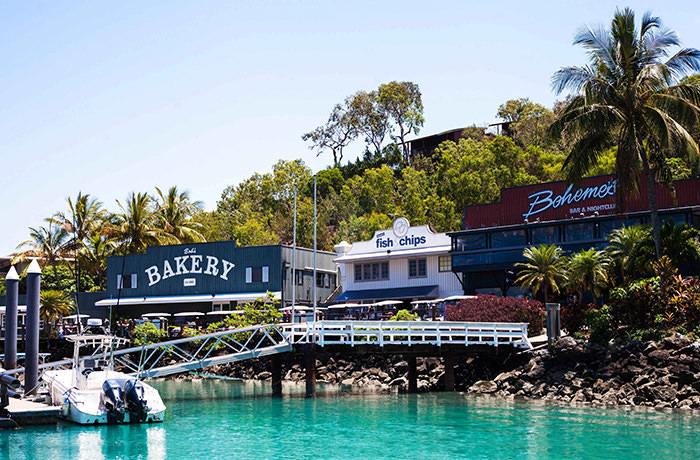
[{"x": 92, "y": 392}]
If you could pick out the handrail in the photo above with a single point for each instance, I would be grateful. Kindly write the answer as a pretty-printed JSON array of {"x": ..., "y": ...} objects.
[
  {"x": 381, "y": 333},
  {"x": 262, "y": 340}
]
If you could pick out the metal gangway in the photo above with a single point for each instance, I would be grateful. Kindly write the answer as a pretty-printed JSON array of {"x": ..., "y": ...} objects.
[{"x": 197, "y": 352}]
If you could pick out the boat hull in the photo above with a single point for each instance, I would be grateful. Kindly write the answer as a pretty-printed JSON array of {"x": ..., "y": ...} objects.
[
  {"x": 85, "y": 405},
  {"x": 72, "y": 413}
]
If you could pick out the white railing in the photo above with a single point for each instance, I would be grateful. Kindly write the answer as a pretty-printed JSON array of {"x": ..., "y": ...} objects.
[
  {"x": 188, "y": 353},
  {"x": 222, "y": 347},
  {"x": 409, "y": 333}
]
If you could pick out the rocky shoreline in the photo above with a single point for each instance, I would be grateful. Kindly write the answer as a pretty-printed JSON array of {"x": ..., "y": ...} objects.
[
  {"x": 387, "y": 373},
  {"x": 661, "y": 375},
  {"x": 650, "y": 374}
]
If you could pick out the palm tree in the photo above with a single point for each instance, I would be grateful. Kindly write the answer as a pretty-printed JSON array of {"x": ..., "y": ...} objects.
[
  {"x": 680, "y": 243},
  {"x": 85, "y": 216},
  {"x": 53, "y": 245},
  {"x": 55, "y": 304},
  {"x": 623, "y": 244},
  {"x": 544, "y": 268},
  {"x": 589, "y": 271},
  {"x": 175, "y": 211},
  {"x": 136, "y": 227},
  {"x": 94, "y": 253},
  {"x": 629, "y": 96}
]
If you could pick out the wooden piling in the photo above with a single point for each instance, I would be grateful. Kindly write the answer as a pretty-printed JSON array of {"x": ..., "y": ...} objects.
[
  {"x": 449, "y": 361},
  {"x": 276, "y": 374},
  {"x": 412, "y": 374},
  {"x": 310, "y": 364}
]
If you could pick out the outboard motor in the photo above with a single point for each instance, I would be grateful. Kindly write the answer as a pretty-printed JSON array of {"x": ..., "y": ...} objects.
[
  {"x": 113, "y": 401},
  {"x": 134, "y": 397}
]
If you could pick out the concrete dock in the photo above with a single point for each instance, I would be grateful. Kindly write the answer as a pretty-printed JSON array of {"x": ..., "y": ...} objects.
[{"x": 32, "y": 413}]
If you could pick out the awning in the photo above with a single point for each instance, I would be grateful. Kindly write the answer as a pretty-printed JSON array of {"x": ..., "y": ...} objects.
[
  {"x": 394, "y": 293},
  {"x": 239, "y": 297}
]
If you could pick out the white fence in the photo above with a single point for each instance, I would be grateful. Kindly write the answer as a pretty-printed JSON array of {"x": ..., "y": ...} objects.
[{"x": 381, "y": 333}]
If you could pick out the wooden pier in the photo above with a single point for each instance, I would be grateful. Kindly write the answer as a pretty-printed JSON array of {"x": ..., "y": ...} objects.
[{"x": 411, "y": 339}]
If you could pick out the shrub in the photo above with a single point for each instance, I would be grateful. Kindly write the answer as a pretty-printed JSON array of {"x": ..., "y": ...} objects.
[
  {"x": 651, "y": 303},
  {"x": 147, "y": 333},
  {"x": 404, "y": 315},
  {"x": 600, "y": 324},
  {"x": 496, "y": 309},
  {"x": 572, "y": 316}
]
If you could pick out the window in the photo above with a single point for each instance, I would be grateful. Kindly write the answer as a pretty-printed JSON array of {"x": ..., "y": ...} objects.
[
  {"x": 299, "y": 277},
  {"x": 445, "y": 263},
  {"x": 372, "y": 272},
  {"x": 416, "y": 268},
  {"x": 677, "y": 218},
  {"x": 579, "y": 232},
  {"x": 129, "y": 281},
  {"x": 470, "y": 242},
  {"x": 257, "y": 274},
  {"x": 325, "y": 280},
  {"x": 508, "y": 238},
  {"x": 608, "y": 226},
  {"x": 221, "y": 306},
  {"x": 544, "y": 235}
]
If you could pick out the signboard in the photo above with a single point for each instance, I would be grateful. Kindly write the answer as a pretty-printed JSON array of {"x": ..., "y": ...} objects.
[
  {"x": 191, "y": 262},
  {"x": 401, "y": 237},
  {"x": 198, "y": 268},
  {"x": 564, "y": 200}
]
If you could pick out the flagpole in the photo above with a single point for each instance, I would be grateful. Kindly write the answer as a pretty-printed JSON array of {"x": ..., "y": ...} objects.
[
  {"x": 294, "y": 253},
  {"x": 314, "y": 253}
]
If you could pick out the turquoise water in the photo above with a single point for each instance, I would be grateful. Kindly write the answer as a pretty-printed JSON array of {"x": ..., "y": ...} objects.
[{"x": 214, "y": 419}]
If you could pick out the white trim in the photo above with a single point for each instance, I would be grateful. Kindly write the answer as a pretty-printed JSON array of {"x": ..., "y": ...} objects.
[
  {"x": 242, "y": 296},
  {"x": 321, "y": 270},
  {"x": 441, "y": 250}
]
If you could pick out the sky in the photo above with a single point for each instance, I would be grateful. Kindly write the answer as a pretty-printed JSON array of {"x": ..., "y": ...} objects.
[{"x": 113, "y": 97}]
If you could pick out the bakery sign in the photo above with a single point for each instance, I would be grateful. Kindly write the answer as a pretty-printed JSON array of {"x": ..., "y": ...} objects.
[
  {"x": 189, "y": 263},
  {"x": 547, "y": 199}
]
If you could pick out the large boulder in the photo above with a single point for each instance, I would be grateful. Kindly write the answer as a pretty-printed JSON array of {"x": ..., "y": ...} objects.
[
  {"x": 484, "y": 387},
  {"x": 565, "y": 343}
]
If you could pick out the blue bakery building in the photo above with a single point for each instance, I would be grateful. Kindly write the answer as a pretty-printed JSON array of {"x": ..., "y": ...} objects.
[{"x": 215, "y": 277}]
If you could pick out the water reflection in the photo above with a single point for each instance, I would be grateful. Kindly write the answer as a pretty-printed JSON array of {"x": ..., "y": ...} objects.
[
  {"x": 155, "y": 436},
  {"x": 223, "y": 419},
  {"x": 90, "y": 445}
]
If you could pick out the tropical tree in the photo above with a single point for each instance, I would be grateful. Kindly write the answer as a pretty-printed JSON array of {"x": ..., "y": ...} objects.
[
  {"x": 629, "y": 96},
  {"x": 53, "y": 245},
  {"x": 175, "y": 210},
  {"x": 96, "y": 249},
  {"x": 136, "y": 226},
  {"x": 588, "y": 271},
  {"x": 335, "y": 135},
  {"x": 84, "y": 217},
  {"x": 402, "y": 102},
  {"x": 544, "y": 269},
  {"x": 680, "y": 243},
  {"x": 622, "y": 247},
  {"x": 369, "y": 117},
  {"x": 53, "y": 305}
]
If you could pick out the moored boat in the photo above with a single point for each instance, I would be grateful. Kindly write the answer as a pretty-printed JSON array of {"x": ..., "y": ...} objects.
[{"x": 92, "y": 392}]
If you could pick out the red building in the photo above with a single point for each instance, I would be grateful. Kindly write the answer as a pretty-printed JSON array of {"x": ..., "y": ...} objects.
[{"x": 572, "y": 216}]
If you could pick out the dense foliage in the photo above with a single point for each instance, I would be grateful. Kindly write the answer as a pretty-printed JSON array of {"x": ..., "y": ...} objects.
[
  {"x": 147, "y": 333},
  {"x": 404, "y": 315},
  {"x": 491, "y": 308}
]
